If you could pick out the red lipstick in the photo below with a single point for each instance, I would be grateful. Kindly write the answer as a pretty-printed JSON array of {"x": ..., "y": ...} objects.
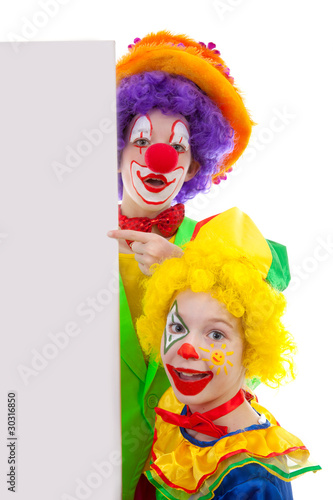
[
  {"x": 192, "y": 384},
  {"x": 158, "y": 177}
]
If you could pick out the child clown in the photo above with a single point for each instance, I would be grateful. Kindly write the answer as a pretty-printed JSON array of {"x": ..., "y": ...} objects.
[
  {"x": 181, "y": 126},
  {"x": 214, "y": 318}
]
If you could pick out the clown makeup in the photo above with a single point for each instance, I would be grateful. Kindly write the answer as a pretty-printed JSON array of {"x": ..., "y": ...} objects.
[
  {"x": 175, "y": 329},
  {"x": 180, "y": 136},
  {"x": 140, "y": 134},
  {"x": 202, "y": 350},
  {"x": 218, "y": 357},
  {"x": 156, "y": 160}
]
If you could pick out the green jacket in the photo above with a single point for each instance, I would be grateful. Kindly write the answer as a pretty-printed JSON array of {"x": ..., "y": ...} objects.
[{"x": 141, "y": 388}]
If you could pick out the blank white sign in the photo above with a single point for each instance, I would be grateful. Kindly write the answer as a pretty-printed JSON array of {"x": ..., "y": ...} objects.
[{"x": 59, "y": 407}]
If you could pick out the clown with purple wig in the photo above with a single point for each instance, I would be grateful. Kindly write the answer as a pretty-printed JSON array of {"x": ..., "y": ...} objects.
[
  {"x": 211, "y": 135},
  {"x": 182, "y": 124}
]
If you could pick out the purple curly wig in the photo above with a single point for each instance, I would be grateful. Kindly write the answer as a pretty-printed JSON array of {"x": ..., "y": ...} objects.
[{"x": 211, "y": 136}]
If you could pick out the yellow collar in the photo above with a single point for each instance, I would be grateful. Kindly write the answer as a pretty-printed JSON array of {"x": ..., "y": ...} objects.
[{"x": 181, "y": 464}]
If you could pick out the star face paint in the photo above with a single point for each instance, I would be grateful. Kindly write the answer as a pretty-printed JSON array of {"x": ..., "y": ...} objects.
[
  {"x": 203, "y": 357},
  {"x": 149, "y": 187}
]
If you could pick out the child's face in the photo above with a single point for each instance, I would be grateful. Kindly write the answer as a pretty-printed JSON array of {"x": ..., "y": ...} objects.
[
  {"x": 154, "y": 187},
  {"x": 202, "y": 350}
]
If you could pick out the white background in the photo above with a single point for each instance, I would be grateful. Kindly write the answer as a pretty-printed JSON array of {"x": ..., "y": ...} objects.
[{"x": 278, "y": 53}]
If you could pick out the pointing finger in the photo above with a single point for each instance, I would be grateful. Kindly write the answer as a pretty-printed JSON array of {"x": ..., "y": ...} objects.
[{"x": 129, "y": 234}]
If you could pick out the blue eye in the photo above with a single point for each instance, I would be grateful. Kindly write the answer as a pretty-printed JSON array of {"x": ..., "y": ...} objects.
[
  {"x": 215, "y": 335},
  {"x": 176, "y": 328}
]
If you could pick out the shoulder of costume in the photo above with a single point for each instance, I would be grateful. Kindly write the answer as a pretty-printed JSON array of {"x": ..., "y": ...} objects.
[
  {"x": 185, "y": 231},
  {"x": 180, "y": 468}
]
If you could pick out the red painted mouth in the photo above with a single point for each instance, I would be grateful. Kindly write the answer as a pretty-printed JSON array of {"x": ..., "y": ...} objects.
[
  {"x": 217, "y": 360},
  {"x": 155, "y": 183},
  {"x": 135, "y": 178},
  {"x": 189, "y": 382}
]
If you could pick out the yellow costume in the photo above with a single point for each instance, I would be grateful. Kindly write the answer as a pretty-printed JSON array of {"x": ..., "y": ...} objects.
[{"x": 183, "y": 467}]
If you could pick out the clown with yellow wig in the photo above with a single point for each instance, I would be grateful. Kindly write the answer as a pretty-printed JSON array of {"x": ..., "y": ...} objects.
[
  {"x": 182, "y": 124},
  {"x": 213, "y": 318}
]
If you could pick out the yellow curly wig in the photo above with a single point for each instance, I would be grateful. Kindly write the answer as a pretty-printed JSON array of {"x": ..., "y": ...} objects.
[{"x": 231, "y": 277}]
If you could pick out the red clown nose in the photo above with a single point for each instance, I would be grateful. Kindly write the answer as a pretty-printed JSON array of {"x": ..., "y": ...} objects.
[
  {"x": 161, "y": 158},
  {"x": 187, "y": 351}
]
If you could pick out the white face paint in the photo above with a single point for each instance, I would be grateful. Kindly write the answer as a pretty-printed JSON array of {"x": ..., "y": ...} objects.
[
  {"x": 142, "y": 129},
  {"x": 175, "y": 328},
  {"x": 180, "y": 135},
  {"x": 153, "y": 188},
  {"x": 146, "y": 188}
]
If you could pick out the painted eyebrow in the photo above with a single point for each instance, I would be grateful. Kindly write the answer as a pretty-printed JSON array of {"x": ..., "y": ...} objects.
[
  {"x": 176, "y": 316},
  {"x": 175, "y": 313},
  {"x": 173, "y": 132},
  {"x": 139, "y": 129}
]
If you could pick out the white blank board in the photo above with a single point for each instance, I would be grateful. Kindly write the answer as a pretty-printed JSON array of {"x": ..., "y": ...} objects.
[{"x": 58, "y": 272}]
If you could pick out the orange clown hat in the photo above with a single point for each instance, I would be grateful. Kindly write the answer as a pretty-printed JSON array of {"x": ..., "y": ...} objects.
[{"x": 180, "y": 55}]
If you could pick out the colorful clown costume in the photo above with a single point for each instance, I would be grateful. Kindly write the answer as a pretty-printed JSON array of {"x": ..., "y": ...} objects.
[
  {"x": 143, "y": 382},
  {"x": 257, "y": 462}
]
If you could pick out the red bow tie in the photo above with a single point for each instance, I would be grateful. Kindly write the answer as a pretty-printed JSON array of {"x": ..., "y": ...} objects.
[
  {"x": 203, "y": 422},
  {"x": 167, "y": 222}
]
